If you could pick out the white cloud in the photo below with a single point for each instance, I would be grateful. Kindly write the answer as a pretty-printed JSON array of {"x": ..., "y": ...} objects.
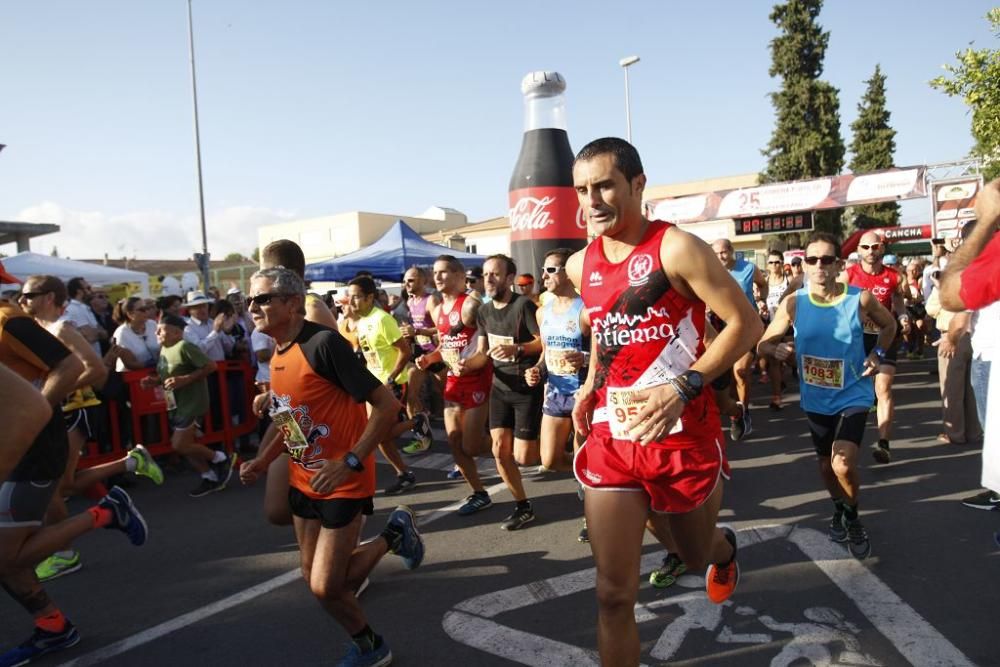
[{"x": 149, "y": 234}]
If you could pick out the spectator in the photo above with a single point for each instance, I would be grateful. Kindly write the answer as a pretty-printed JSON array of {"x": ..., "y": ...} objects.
[
  {"x": 135, "y": 343},
  {"x": 102, "y": 312},
  {"x": 169, "y": 305},
  {"x": 212, "y": 336},
  {"x": 79, "y": 313}
]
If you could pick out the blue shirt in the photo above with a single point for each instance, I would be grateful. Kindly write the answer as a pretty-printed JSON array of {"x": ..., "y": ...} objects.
[
  {"x": 561, "y": 331},
  {"x": 743, "y": 271}
]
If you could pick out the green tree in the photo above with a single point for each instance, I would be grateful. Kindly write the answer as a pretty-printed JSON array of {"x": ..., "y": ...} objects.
[
  {"x": 806, "y": 141},
  {"x": 255, "y": 255},
  {"x": 872, "y": 147},
  {"x": 234, "y": 257},
  {"x": 976, "y": 79}
]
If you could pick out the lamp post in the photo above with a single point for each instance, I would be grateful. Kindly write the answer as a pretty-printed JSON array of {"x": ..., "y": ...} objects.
[
  {"x": 625, "y": 64},
  {"x": 202, "y": 261}
]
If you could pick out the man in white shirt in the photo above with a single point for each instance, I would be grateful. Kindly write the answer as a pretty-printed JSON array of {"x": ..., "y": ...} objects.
[
  {"x": 212, "y": 336},
  {"x": 81, "y": 316}
]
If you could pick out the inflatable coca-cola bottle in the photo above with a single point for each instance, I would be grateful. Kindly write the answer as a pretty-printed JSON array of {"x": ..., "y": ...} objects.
[{"x": 544, "y": 212}]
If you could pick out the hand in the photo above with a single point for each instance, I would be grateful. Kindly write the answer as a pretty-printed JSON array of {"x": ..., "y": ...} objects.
[
  {"x": 250, "y": 471},
  {"x": 330, "y": 476},
  {"x": 177, "y": 382},
  {"x": 218, "y": 322},
  {"x": 946, "y": 349},
  {"x": 408, "y": 331},
  {"x": 503, "y": 352},
  {"x": 532, "y": 376},
  {"x": 872, "y": 363},
  {"x": 784, "y": 351},
  {"x": 583, "y": 410},
  {"x": 261, "y": 402},
  {"x": 662, "y": 410},
  {"x": 575, "y": 359}
]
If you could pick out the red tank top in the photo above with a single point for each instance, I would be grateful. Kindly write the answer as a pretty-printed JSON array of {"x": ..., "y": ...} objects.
[
  {"x": 458, "y": 339},
  {"x": 882, "y": 285},
  {"x": 645, "y": 332}
]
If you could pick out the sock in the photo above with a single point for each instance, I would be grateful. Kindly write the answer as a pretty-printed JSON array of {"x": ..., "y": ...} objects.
[
  {"x": 218, "y": 456},
  {"x": 523, "y": 504},
  {"x": 64, "y": 554},
  {"x": 883, "y": 443},
  {"x": 367, "y": 640},
  {"x": 131, "y": 464},
  {"x": 393, "y": 536},
  {"x": 210, "y": 476},
  {"x": 850, "y": 512},
  {"x": 102, "y": 516},
  {"x": 53, "y": 622}
]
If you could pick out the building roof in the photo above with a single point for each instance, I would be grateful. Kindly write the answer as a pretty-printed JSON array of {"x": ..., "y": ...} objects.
[
  {"x": 10, "y": 230},
  {"x": 160, "y": 267}
]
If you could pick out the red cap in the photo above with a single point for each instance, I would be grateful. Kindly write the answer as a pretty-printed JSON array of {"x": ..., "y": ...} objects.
[{"x": 6, "y": 277}]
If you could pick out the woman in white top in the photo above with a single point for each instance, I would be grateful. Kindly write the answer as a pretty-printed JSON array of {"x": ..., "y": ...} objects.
[{"x": 135, "y": 340}]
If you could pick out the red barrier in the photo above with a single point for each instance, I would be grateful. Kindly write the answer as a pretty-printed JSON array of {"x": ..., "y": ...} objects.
[{"x": 149, "y": 405}]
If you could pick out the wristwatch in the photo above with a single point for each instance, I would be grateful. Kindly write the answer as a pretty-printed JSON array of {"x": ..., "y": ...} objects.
[
  {"x": 352, "y": 461},
  {"x": 878, "y": 352},
  {"x": 695, "y": 382}
]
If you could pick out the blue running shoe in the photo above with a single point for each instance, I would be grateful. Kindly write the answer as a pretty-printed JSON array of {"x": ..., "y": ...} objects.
[
  {"x": 126, "y": 517},
  {"x": 474, "y": 503},
  {"x": 454, "y": 473},
  {"x": 412, "y": 547},
  {"x": 40, "y": 643},
  {"x": 377, "y": 657}
]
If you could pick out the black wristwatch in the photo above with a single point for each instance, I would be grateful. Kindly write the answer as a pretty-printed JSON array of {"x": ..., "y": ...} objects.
[
  {"x": 352, "y": 461},
  {"x": 695, "y": 382}
]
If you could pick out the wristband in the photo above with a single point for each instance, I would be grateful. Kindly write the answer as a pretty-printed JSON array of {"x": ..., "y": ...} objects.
[{"x": 679, "y": 389}]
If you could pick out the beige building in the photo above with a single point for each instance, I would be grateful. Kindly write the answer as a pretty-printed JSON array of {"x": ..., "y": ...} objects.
[{"x": 335, "y": 235}]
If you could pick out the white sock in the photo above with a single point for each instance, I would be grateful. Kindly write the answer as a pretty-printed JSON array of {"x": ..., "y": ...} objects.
[
  {"x": 218, "y": 456},
  {"x": 131, "y": 464},
  {"x": 210, "y": 476}
]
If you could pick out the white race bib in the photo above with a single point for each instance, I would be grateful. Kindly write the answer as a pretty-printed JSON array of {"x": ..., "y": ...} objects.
[
  {"x": 557, "y": 360},
  {"x": 492, "y": 340},
  {"x": 623, "y": 407},
  {"x": 821, "y": 372}
]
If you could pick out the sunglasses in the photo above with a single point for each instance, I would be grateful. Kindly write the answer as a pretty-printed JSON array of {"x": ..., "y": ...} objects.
[
  {"x": 31, "y": 295},
  {"x": 265, "y": 298},
  {"x": 873, "y": 246},
  {"x": 825, "y": 260},
  {"x": 775, "y": 262},
  {"x": 552, "y": 269},
  {"x": 469, "y": 281}
]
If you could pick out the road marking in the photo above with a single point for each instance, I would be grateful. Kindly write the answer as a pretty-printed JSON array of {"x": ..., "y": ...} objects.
[
  {"x": 469, "y": 622},
  {"x": 180, "y": 622}
]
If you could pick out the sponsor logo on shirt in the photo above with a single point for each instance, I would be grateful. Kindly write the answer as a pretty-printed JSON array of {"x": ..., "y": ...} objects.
[
  {"x": 596, "y": 279},
  {"x": 639, "y": 268},
  {"x": 454, "y": 317}
]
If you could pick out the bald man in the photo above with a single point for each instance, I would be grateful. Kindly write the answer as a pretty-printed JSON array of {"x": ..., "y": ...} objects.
[
  {"x": 746, "y": 274},
  {"x": 885, "y": 285}
]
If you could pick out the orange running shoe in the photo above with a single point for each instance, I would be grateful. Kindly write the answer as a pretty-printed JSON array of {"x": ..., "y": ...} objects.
[{"x": 721, "y": 580}]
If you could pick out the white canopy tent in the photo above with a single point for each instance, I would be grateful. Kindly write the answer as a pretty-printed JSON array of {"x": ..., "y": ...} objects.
[{"x": 25, "y": 264}]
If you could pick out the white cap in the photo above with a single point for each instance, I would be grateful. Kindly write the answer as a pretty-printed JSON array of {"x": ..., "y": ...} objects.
[{"x": 542, "y": 84}]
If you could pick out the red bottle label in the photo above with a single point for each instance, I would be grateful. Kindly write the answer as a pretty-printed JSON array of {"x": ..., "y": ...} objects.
[{"x": 545, "y": 213}]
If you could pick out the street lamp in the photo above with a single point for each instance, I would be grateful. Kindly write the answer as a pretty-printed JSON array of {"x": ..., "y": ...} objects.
[
  {"x": 625, "y": 63},
  {"x": 203, "y": 259}
]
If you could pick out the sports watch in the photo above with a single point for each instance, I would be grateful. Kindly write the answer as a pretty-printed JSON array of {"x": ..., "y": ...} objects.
[
  {"x": 695, "y": 382},
  {"x": 352, "y": 461},
  {"x": 878, "y": 352}
]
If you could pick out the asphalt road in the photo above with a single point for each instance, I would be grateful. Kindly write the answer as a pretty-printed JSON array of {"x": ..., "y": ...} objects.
[{"x": 217, "y": 585}]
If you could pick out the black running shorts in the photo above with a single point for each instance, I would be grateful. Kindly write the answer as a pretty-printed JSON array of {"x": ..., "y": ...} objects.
[
  {"x": 331, "y": 513},
  {"x": 520, "y": 412},
  {"x": 849, "y": 425}
]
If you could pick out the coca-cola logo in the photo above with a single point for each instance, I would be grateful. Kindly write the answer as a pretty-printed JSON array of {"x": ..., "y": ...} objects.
[{"x": 531, "y": 213}]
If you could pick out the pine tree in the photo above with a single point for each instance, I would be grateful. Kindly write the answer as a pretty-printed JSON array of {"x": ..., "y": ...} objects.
[
  {"x": 806, "y": 142},
  {"x": 872, "y": 148}
]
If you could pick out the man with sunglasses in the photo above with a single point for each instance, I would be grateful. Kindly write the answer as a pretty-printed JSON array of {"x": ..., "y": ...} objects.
[
  {"x": 835, "y": 369},
  {"x": 885, "y": 285},
  {"x": 418, "y": 326}
]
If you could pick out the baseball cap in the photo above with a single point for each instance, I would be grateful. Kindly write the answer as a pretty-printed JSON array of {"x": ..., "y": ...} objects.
[
  {"x": 7, "y": 277},
  {"x": 474, "y": 272},
  {"x": 889, "y": 260},
  {"x": 796, "y": 261},
  {"x": 521, "y": 281}
]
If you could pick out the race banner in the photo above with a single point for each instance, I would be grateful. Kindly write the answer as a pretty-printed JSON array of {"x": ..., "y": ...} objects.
[
  {"x": 953, "y": 205},
  {"x": 813, "y": 195}
]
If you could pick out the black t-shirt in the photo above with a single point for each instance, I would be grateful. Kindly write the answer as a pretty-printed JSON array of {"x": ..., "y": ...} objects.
[
  {"x": 331, "y": 357},
  {"x": 515, "y": 320}
]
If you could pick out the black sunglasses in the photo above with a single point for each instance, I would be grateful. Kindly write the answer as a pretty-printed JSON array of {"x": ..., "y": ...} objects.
[
  {"x": 825, "y": 260},
  {"x": 553, "y": 269},
  {"x": 873, "y": 246},
  {"x": 32, "y": 295},
  {"x": 265, "y": 298},
  {"x": 774, "y": 261},
  {"x": 469, "y": 281}
]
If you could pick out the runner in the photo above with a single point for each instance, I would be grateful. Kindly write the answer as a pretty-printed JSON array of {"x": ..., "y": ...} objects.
[
  {"x": 24, "y": 413},
  {"x": 419, "y": 328},
  {"x": 747, "y": 275},
  {"x": 465, "y": 390},
  {"x": 387, "y": 355},
  {"x": 318, "y": 386},
  {"x": 835, "y": 368},
  {"x": 884, "y": 284},
  {"x": 654, "y": 439},
  {"x": 182, "y": 371},
  {"x": 44, "y": 298},
  {"x": 38, "y": 356},
  {"x": 565, "y": 334},
  {"x": 511, "y": 345},
  {"x": 777, "y": 287}
]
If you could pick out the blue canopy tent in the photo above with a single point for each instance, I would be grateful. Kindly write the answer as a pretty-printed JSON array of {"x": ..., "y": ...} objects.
[{"x": 388, "y": 258}]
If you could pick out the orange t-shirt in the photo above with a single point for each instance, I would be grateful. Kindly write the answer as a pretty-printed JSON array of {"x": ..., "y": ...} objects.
[{"x": 324, "y": 385}]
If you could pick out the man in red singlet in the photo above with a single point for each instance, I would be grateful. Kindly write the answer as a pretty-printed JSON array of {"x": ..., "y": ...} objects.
[
  {"x": 884, "y": 284},
  {"x": 466, "y": 391},
  {"x": 654, "y": 440}
]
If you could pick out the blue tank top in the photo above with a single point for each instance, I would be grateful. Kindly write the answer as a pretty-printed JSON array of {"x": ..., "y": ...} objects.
[
  {"x": 830, "y": 352},
  {"x": 743, "y": 272},
  {"x": 561, "y": 331}
]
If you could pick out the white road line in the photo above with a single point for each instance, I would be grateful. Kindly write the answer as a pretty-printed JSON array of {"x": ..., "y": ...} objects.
[{"x": 180, "y": 622}]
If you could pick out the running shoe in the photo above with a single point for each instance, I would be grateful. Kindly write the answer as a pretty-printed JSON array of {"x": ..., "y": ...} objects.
[
  {"x": 125, "y": 516},
  {"x": 584, "y": 534},
  {"x": 412, "y": 546},
  {"x": 455, "y": 473},
  {"x": 740, "y": 427},
  {"x": 857, "y": 539},
  {"x": 377, "y": 657},
  {"x": 224, "y": 470},
  {"x": 145, "y": 465},
  {"x": 666, "y": 575},
  {"x": 881, "y": 453},
  {"x": 403, "y": 482},
  {"x": 57, "y": 565},
  {"x": 417, "y": 446},
  {"x": 987, "y": 500},
  {"x": 422, "y": 431},
  {"x": 520, "y": 517},
  {"x": 476, "y": 502},
  {"x": 721, "y": 580},
  {"x": 40, "y": 643},
  {"x": 836, "y": 530},
  {"x": 205, "y": 487},
  {"x": 776, "y": 406}
]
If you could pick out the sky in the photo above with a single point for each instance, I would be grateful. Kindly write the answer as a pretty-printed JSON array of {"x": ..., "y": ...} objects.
[{"x": 311, "y": 108}]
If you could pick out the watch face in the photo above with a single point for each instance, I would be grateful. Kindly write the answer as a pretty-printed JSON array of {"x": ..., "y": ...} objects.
[{"x": 694, "y": 379}]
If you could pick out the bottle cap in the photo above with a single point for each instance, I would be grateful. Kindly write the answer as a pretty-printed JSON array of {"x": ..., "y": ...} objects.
[{"x": 542, "y": 84}]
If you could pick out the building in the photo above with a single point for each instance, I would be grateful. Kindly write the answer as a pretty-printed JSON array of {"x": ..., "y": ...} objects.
[{"x": 21, "y": 233}]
